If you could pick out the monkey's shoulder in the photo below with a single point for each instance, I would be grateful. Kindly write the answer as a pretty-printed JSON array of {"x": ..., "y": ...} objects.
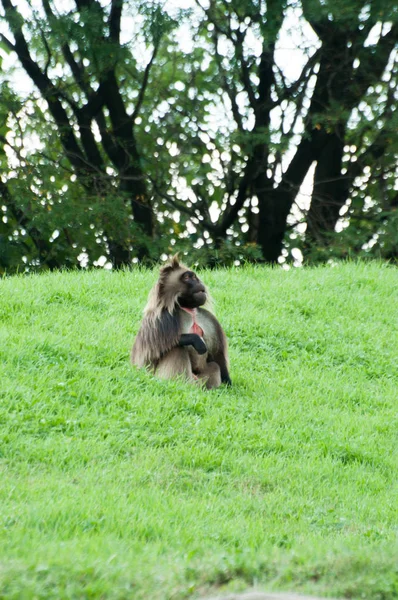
[
  {"x": 205, "y": 312},
  {"x": 205, "y": 316}
]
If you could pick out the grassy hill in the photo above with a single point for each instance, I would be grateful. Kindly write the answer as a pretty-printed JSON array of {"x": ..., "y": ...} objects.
[{"x": 115, "y": 485}]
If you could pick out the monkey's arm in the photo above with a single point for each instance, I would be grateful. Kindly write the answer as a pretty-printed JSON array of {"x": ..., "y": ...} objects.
[
  {"x": 193, "y": 339},
  {"x": 221, "y": 360},
  {"x": 217, "y": 342}
]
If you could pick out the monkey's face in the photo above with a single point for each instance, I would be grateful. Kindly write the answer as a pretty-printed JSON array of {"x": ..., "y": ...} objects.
[{"x": 193, "y": 292}]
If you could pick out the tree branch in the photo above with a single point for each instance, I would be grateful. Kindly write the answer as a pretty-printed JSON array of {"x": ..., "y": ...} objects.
[
  {"x": 115, "y": 20},
  {"x": 203, "y": 225},
  {"x": 230, "y": 90},
  {"x": 144, "y": 84},
  {"x": 376, "y": 56},
  {"x": 82, "y": 4},
  {"x": 231, "y": 212},
  {"x": 320, "y": 25},
  {"x": 7, "y": 42},
  {"x": 46, "y": 87},
  {"x": 245, "y": 70}
]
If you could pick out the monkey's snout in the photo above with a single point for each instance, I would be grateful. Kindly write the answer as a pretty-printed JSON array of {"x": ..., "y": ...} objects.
[
  {"x": 200, "y": 297},
  {"x": 201, "y": 290}
]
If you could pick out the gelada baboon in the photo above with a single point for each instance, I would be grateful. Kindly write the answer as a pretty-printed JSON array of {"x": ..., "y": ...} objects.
[{"x": 179, "y": 337}]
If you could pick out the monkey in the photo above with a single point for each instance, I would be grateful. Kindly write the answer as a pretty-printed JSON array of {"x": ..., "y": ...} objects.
[{"x": 178, "y": 337}]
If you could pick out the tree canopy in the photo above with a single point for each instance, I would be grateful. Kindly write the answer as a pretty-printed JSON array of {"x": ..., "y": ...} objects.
[{"x": 237, "y": 129}]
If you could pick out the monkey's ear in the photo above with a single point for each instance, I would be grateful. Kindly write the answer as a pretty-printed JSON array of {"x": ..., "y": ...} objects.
[{"x": 175, "y": 262}]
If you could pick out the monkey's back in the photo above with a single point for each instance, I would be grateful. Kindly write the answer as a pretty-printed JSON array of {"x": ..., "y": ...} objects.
[{"x": 156, "y": 336}]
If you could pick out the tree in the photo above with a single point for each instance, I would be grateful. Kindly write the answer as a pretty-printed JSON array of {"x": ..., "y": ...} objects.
[
  {"x": 348, "y": 104},
  {"x": 208, "y": 139},
  {"x": 85, "y": 95}
]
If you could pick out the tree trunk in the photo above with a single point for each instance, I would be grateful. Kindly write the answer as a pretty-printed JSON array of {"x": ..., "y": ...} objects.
[
  {"x": 330, "y": 191},
  {"x": 275, "y": 204}
]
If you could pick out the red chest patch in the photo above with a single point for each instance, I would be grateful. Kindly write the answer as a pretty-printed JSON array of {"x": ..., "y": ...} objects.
[{"x": 195, "y": 328}]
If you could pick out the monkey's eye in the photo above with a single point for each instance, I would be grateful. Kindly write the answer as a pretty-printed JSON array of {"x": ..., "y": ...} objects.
[{"x": 189, "y": 276}]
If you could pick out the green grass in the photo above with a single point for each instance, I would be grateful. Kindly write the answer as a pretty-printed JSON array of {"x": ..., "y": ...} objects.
[{"x": 115, "y": 485}]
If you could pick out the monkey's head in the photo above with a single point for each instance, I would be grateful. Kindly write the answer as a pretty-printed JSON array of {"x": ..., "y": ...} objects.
[
  {"x": 193, "y": 292},
  {"x": 177, "y": 285}
]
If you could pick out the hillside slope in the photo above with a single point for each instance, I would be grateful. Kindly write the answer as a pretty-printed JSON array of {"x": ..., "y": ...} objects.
[{"x": 117, "y": 485}]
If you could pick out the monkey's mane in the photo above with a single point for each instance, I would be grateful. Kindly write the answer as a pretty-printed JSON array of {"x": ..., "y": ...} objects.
[{"x": 160, "y": 328}]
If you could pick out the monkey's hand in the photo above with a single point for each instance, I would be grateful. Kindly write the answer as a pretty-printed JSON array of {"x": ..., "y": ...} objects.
[{"x": 193, "y": 339}]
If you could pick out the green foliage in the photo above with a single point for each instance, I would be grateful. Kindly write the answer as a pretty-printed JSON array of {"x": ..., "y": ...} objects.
[
  {"x": 227, "y": 254},
  {"x": 116, "y": 484},
  {"x": 368, "y": 237}
]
